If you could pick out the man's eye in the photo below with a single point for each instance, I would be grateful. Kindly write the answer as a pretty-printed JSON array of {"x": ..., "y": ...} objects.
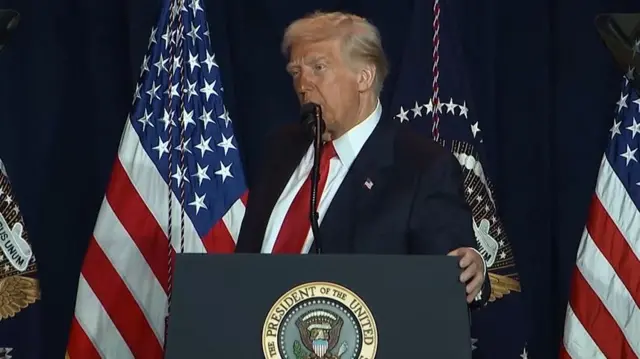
[{"x": 319, "y": 67}]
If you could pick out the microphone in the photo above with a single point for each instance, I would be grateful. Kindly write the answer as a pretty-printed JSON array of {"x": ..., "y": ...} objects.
[
  {"x": 314, "y": 126},
  {"x": 8, "y": 22}
]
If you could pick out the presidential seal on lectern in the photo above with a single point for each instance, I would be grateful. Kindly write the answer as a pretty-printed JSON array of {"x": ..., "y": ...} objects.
[{"x": 319, "y": 320}]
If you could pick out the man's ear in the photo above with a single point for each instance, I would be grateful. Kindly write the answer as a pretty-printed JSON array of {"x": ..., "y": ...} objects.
[{"x": 366, "y": 77}]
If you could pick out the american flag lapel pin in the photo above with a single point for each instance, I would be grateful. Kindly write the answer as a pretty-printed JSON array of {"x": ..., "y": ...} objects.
[{"x": 368, "y": 183}]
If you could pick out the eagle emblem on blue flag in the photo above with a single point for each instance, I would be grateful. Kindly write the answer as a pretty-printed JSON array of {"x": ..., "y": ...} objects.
[
  {"x": 489, "y": 231},
  {"x": 433, "y": 95},
  {"x": 19, "y": 287}
]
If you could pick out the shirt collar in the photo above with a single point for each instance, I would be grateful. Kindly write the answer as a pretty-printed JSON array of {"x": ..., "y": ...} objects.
[{"x": 349, "y": 145}]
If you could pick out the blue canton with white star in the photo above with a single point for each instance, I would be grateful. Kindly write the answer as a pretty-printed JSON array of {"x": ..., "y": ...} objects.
[
  {"x": 622, "y": 152},
  {"x": 180, "y": 90}
]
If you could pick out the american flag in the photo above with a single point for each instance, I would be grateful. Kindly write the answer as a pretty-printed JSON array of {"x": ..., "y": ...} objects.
[
  {"x": 177, "y": 185},
  {"x": 432, "y": 94},
  {"x": 603, "y": 316}
]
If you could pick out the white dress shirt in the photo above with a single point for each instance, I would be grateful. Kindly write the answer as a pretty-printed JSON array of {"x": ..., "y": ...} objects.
[{"x": 347, "y": 148}]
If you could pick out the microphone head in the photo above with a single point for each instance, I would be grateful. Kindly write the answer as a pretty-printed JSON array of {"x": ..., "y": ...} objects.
[
  {"x": 309, "y": 113},
  {"x": 8, "y": 22}
]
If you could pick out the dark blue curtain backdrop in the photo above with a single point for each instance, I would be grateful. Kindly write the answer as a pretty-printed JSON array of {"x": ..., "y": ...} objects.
[{"x": 543, "y": 82}]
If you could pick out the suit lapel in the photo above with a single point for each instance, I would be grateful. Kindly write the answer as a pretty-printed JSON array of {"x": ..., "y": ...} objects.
[
  {"x": 364, "y": 181},
  {"x": 279, "y": 168}
]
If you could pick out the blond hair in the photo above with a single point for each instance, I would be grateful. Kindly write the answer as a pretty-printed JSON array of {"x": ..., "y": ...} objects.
[{"x": 360, "y": 39}]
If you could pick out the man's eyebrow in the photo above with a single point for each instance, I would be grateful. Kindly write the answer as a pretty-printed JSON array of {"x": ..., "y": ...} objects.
[
  {"x": 311, "y": 60},
  {"x": 291, "y": 66}
]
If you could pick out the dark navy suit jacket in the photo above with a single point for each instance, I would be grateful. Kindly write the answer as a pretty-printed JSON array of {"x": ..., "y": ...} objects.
[{"x": 415, "y": 206}]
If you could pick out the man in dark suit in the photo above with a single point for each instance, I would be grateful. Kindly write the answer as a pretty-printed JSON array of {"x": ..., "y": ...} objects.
[{"x": 382, "y": 189}]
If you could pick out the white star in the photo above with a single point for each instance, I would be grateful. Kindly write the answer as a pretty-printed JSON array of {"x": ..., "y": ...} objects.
[
  {"x": 175, "y": 10},
  {"x": 451, "y": 107},
  {"x": 224, "y": 171},
  {"x": 635, "y": 128},
  {"x": 202, "y": 174},
  {"x": 439, "y": 106},
  {"x": 208, "y": 89},
  {"x": 184, "y": 146},
  {"x": 475, "y": 129},
  {"x": 210, "y": 61},
  {"x": 166, "y": 38},
  {"x": 464, "y": 110},
  {"x": 630, "y": 73},
  {"x": 195, "y": 6},
  {"x": 194, "y": 34},
  {"x": 206, "y": 118},
  {"x": 622, "y": 102},
  {"x": 152, "y": 38},
  {"x": 161, "y": 64},
  {"x": 637, "y": 102},
  {"x": 180, "y": 175},
  {"x": 403, "y": 115},
  {"x": 187, "y": 118},
  {"x": 152, "y": 92},
  {"x": 193, "y": 61},
  {"x": 226, "y": 144},
  {"x": 199, "y": 202},
  {"x": 417, "y": 110},
  {"x": 145, "y": 64},
  {"x": 167, "y": 119},
  {"x": 225, "y": 117},
  {"x": 162, "y": 147},
  {"x": 177, "y": 63},
  {"x": 145, "y": 119},
  {"x": 191, "y": 91},
  {"x": 473, "y": 344},
  {"x": 615, "y": 129},
  {"x": 630, "y": 155},
  {"x": 525, "y": 354},
  {"x": 429, "y": 106},
  {"x": 203, "y": 146},
  {"x": 173, "y": 90},
  {"x": 636, "y": 48},
  {"x": 137, "y": 92}
]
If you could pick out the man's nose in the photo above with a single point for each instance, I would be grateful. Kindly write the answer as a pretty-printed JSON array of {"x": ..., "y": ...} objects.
[{"x": 304, "y": 86}]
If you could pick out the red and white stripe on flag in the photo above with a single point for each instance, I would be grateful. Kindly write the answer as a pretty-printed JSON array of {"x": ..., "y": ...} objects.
[
  {"x": 177, "y": 154},
  {"x": 603, "y": 315}
]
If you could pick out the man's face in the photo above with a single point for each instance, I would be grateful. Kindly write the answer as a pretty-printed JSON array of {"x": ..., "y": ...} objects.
[{"x": 320, "y": 75}]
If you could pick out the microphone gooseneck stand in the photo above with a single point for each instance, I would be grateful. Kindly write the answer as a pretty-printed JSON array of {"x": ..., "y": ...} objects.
[{"x": 315, "y": 126}]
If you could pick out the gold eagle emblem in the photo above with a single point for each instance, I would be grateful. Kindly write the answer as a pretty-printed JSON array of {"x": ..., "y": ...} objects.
[
  {"x": 502, "y": 285},
  {"x": 17, "y": 293}
]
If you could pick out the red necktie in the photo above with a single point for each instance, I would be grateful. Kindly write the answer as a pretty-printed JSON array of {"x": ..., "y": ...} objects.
[{"x": 296, "y": 224}]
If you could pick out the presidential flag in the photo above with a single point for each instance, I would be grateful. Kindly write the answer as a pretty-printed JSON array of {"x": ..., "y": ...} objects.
[
  {"x": 432, "y": 94},
  {"x": 603, "y": 316},
  {"x": 177, "y": 185},
  {"x": 20, "y": 308}
]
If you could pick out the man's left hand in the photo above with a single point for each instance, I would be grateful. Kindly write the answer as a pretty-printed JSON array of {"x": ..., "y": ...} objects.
[{"x": 473, "y": 270}]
